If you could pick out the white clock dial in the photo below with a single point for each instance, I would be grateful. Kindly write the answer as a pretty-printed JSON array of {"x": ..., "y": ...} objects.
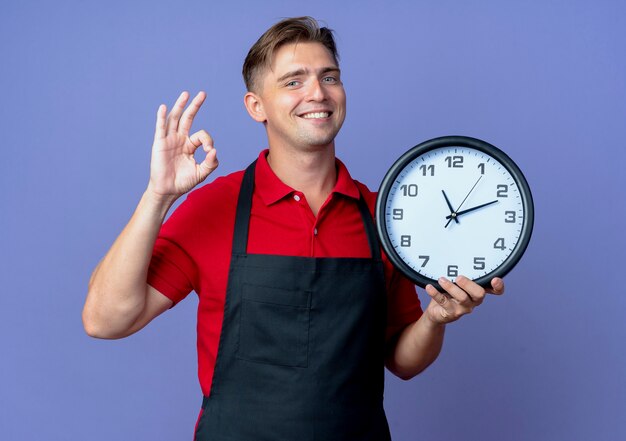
[{"x": 454, "y": 210}]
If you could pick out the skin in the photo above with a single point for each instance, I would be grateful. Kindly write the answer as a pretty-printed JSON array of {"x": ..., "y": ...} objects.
[{"x": 302, "y": 79}]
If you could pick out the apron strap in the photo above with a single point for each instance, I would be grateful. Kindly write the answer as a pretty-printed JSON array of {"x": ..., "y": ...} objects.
[
  {"x": 370, "y": 229},
  {"x": 244, "y": 207}
]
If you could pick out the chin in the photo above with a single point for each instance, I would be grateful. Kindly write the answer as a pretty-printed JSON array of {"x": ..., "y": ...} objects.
[{"x": 318, "y": 139}]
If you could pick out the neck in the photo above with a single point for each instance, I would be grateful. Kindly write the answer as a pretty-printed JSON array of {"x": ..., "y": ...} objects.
[{"x": 311, "y": 172}]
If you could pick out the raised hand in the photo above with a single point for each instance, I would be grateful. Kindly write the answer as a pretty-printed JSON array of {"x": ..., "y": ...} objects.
[{"x": 173, "y": 168}]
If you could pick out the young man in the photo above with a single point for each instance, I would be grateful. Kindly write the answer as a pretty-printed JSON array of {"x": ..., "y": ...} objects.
[{"x": 298, "y": 310}]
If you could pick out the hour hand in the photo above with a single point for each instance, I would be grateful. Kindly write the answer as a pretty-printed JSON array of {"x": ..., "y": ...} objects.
[{"x": 450, "y": 207}]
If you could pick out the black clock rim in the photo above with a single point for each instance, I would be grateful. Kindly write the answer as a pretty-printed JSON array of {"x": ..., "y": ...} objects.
[{"x": 455, "y": 141}]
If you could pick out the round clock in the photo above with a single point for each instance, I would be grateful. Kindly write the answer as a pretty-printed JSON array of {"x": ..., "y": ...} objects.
[{"x": 454, "y": 205}]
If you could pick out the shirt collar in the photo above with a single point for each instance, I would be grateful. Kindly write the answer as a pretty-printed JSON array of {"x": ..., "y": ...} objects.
[{"x": 271, "y": 189}]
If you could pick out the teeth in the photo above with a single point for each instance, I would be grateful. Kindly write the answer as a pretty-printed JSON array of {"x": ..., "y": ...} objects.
[{"x": 315, "y": 115}]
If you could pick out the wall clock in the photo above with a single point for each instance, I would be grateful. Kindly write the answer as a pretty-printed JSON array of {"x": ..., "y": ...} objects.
[{"x": 454, "y": 205}]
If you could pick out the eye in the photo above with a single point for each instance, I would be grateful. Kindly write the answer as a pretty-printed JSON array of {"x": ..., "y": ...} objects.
[
  {"x": 293, "y": 83},
  {"x": 329, "y": 80}
]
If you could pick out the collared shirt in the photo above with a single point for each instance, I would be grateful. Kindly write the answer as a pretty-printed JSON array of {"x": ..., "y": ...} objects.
[{"x": 193, "y": 249}]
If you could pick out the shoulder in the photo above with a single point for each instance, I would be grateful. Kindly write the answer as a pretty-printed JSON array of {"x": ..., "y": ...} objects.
[
  {"x": 223, "y": 190},
  {"x": 206, "y": 207}
]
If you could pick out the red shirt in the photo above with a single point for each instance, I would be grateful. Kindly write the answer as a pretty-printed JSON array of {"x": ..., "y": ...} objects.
[{"x": 194, "y": 246}]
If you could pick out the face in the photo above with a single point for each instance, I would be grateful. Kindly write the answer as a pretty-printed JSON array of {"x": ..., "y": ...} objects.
[{"x": 302, "y": 101}]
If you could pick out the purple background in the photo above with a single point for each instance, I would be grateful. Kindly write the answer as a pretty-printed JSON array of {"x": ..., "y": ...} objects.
[{"x": 543, "y": 80}]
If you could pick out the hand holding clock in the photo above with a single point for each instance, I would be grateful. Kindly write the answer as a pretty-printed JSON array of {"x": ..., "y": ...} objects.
[{"x": 459, "y": 298}]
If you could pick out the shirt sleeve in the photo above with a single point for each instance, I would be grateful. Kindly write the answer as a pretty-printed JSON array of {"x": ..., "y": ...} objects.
[
  {"x": 172, "y": 270},
  {"x": 403, "y": 304}
]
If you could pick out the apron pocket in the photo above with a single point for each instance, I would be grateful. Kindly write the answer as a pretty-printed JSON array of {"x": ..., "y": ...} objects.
[{"x": 274, "y": 326}]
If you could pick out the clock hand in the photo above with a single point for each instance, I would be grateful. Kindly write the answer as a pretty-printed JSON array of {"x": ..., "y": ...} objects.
[
  {"x": 455, "y": 215},
  {"x": 449, "y": 206}
]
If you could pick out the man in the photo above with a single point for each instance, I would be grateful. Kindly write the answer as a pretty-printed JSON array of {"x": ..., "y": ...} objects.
[{"x": 298, "y": 310}]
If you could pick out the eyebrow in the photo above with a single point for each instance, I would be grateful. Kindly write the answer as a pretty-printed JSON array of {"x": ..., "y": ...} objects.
[{"x": 295, "y": 73}]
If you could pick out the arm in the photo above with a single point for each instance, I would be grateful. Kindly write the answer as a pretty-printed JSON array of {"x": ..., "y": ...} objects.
[
  {"x": 419, "y": 344},
  {"x": 119, "y": 300}
]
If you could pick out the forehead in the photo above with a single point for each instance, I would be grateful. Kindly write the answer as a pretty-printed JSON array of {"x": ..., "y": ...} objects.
[{"x": 294, "y": 56}]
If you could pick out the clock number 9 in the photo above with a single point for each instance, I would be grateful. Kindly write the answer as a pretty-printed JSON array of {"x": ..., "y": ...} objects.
[
  {"x": 398, "y": 214},
  {"x": 409, "y": 190}
]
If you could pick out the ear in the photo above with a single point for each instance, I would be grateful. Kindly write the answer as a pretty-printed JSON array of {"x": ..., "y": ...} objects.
[{"x": 254, "y": 106}]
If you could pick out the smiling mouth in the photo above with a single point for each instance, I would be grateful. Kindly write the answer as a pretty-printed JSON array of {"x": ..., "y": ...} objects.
[{"x": 316, "y": 115}]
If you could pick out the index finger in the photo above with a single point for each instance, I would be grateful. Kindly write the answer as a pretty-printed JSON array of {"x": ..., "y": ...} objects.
[{"x": 187, "y": 118}]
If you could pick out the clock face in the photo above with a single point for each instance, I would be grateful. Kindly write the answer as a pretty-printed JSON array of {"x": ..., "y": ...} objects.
[{"x": 452, "y": 206}]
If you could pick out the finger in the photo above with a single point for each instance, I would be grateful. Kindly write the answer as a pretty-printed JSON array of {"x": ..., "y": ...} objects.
[
  {"x": 201, "y": 138},
  {"x": 457, "y": 294},
  {"x": 189, "y": 114},
  {"x": 210, "y": 162},
  {"x": 442, "y": 298},
  {"x": 497, "y": 286},
  {"x": 472, "y": 289},
  {"x": 177, "y": 111},
  {"x": 159, "y": 131}
]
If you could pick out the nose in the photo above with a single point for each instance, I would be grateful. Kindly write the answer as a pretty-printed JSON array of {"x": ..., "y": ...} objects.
[{"x": 316, "y": 91}]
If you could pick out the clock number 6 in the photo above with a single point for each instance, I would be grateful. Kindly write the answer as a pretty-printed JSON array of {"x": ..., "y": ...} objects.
[{"x": 453, "y": 270}]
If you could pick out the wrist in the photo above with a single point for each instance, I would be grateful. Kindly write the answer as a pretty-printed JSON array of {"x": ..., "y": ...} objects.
[
  {"x": 156, "y": 202},
  {"x": 431, "y": 324}
]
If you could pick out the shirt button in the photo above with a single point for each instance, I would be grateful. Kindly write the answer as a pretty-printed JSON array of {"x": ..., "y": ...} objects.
[
  {"x": 315, "y": 232},
  {"x": 296, "y": 197}
]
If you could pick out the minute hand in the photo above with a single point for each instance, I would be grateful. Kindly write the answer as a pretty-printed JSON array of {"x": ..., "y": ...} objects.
[{"x": 472, "y": 209}]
